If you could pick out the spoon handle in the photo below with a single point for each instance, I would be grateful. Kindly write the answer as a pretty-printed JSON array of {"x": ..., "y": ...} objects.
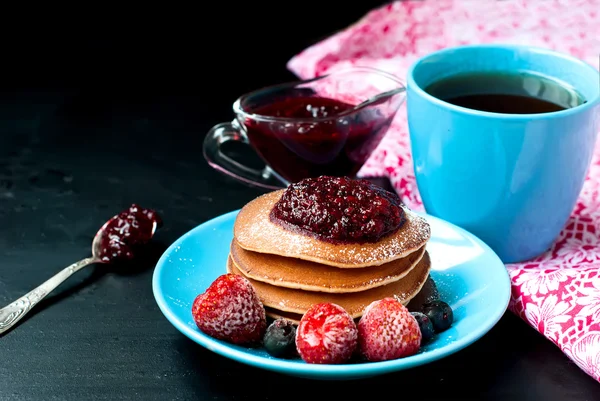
[{"x": 12, "y": 313}]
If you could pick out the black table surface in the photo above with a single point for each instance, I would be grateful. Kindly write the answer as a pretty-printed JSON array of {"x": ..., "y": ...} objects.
[{"x": 95, "y": 119}]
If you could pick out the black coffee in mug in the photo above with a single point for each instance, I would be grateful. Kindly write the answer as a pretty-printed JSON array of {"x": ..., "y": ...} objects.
[{"x": 508, "y": 93}]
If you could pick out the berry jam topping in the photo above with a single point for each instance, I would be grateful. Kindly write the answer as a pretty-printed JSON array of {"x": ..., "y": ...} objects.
[
  {"x": 339, "y": 210},
  {"x": 126, "y": 231}
]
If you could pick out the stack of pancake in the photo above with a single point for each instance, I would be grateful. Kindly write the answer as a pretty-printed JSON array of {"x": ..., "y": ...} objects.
[{"x": 291, "y": 271}]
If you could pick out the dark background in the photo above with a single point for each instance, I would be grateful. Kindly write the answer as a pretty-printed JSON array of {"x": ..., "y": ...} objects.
[{"x": 100, "y": 109}]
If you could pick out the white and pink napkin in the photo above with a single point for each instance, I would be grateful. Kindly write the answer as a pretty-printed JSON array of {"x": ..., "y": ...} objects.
[{"x": 558, "y": 293}]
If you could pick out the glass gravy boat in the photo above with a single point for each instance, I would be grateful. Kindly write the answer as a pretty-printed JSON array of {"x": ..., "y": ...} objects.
[{"x": 328, "y": 125}]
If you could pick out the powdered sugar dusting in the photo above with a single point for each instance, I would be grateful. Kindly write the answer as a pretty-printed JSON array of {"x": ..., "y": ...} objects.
[{"x": 255, "y": 232}]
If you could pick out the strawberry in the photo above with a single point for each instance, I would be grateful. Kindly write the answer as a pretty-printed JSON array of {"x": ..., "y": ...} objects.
[
  {"x": 326, "y": 334},
  {"x": 230, "y": 310},
  {"x": 387, "y": 330}
]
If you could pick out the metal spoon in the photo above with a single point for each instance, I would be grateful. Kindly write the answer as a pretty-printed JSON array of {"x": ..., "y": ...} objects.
[{"x": 12, "y": 313}]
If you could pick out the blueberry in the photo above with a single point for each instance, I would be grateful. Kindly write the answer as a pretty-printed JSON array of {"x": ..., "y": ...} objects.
[
  {"x": 440, "y": 314},
  {"x": 425, "y": 325},
  {"x": 280, "y": 338}
]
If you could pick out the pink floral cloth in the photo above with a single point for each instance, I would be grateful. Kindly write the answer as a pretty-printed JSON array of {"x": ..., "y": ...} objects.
[{"x": 558, "y": 293}]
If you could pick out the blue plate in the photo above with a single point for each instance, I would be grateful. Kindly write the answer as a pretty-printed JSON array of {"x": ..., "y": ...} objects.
[{"x": 468, "y": 274}]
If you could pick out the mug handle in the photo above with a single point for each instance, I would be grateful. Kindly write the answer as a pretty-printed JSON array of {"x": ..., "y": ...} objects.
[{"x": 211, "y": 148}]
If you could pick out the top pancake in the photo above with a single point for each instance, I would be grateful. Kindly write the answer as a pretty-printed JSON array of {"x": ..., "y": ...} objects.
[{"x": 255, "y": 232}]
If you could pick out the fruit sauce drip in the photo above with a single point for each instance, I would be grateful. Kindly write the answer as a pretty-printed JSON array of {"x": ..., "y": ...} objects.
[
  {"x": 130, "y": 229},
  {"x": 339, "y": 210}
]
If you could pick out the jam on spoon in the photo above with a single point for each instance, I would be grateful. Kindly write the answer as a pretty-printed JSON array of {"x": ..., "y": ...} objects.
[
  {"x": 118, "y": 239},
  {"x": 125, "y": 232}
]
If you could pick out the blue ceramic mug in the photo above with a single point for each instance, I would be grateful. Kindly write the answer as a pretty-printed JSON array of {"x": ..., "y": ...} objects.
[{"x": 511, "y": 179}]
